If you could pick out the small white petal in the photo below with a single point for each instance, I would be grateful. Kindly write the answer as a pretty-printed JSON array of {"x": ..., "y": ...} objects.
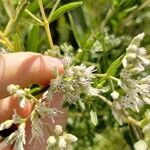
[
  {"x": 58, "y": 129},
  {"x": 51, "y": 140},
  {"x": 137, "y": 40},
  {"x": 125, "y": 62},
  {"x": 140, "y": 145},
  {"x": 70, "y": 138},
  {"x": 22, "y": 102},
  {"x": 114, "y": 94},
  {"x": 146, "y": 99},
  {"x": 12, "y": 88},
  {"x": 20, "y": 93},
  {"x": 142, "y": 51},
  {"x": 62, "y": 143},
  {"x": 145, "y": 61}
]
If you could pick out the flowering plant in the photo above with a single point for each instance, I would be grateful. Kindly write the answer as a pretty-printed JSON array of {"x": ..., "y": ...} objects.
[{"x": 108, "y": 87}]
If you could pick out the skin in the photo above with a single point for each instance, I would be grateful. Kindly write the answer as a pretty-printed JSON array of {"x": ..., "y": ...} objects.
[{"x": 24, "y": 69}]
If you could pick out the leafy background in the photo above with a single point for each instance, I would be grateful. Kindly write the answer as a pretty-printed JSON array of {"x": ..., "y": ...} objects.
[{"x": 99, "y": 33}]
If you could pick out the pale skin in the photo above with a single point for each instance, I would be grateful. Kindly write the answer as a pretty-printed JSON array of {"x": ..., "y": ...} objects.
[{"x": 25, "y": 68}]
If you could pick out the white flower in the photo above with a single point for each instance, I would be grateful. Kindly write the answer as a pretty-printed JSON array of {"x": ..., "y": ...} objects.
[
  {"x": 140, "y": 145},
  {"x": 75, "y": 81},
  {"x": 20, "y": 93},
  {"x": 137, "y": 40},
  {"x": 62, "y": 143},
  {"x": 114, "y": 94},
  {"x": 118, "y": 112},
  {"x": 12, "y": 88},
  {"x": 51, "y": 140},
  {"x": 5, "y": 125},
  {"x": 70, "y": 138},
  {"x": 92, "y": 91},
  {"x": 136, "y": 56},
  {"x": 58, "y": 129}
]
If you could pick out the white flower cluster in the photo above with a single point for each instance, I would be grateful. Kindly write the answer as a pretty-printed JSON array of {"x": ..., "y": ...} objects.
[
  {"x": 136, "y": 56},
  {"x": 18, "y": 136},
  {"x": 41, "y": 111},
  {"x": 75, "y": 81},
  {"x": 136, "y": 88},
  {"x": 21, "y": 94},
  {"x": 60, "y": 140}
]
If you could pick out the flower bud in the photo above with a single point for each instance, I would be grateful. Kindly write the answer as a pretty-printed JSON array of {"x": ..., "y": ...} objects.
[
  {"x": 20, "y": 93},
  {"x": 12, "y": 88},
  {"x": 140, "y": 145},
  {"x": 58, "y": 129},
  {"x": 70, "y": 138},
  {"x": 114, "y": 94},
  {"x": 62, "y": 143},
  {"x": 51, "y": 140}
]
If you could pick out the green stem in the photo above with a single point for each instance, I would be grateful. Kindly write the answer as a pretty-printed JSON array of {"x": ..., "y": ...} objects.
[
  {"x": 105, "y": 100},
  {"x": 6, "y": 42},
  {"x": 33, "y": 16},
  {"x": 46, "y": 24}
]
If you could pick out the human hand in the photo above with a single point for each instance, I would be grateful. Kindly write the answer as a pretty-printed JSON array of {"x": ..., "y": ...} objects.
[{"x": 23, "y": 69}]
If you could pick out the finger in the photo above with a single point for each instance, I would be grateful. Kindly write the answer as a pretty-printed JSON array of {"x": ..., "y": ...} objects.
[
  {"x": 25, "y": 68},
  {"x": 9, "y": 104},
  {"x": 48, "y": 129}
]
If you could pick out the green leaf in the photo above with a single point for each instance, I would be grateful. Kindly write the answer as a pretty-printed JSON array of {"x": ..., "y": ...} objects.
[
  {"x": 114, "y": 66},
  {"x": 34, "y": 6},
  {"x": 16, "y": 18},
  {"x": 33, "y": 39},
  {"x": 17, "y": 43},
  {"x": 82, "y": 105},
  {"x": 65, "y": 8},
  {"x": 93, "y": 116},
  {"x": 74, "y": 29}
]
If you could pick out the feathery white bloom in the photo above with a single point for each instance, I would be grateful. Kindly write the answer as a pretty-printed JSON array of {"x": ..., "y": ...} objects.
[
  {"x": 20, "y": 139},
  {"x": 75, "y": 81}
]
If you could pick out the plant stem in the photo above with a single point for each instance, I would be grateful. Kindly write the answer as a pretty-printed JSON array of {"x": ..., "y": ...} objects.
[
  {"x": 53, "y": 9},
  {"x": 47, "y": 28},
  {"x": 105, "y": 100},
  {"x": 46, "y": 24},
  {"x": 33, "y": 16},
  {"x": 6, "y": 42},
  {"x": 132, "y": 121}
]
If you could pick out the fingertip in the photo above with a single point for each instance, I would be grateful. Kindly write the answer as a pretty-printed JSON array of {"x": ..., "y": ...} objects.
[
  {"x": 41, "y": 71},
  {"x": 9, "y": 105}
]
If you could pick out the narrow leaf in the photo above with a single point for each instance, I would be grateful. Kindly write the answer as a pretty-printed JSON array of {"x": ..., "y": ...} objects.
[
  {"x": 17, "y": 16},
  {"x": 33, "y": 39},
  {"x": 65, "y": 8},
  {"x": 74, "y": 29},
  {"x": 17, "y": 43},
  {"x": 93, "y": 116},
  {"x": 114, "y": 66}
]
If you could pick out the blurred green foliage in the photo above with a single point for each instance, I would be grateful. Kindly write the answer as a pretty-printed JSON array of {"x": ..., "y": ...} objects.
[{"x": 99, "y": 31}]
